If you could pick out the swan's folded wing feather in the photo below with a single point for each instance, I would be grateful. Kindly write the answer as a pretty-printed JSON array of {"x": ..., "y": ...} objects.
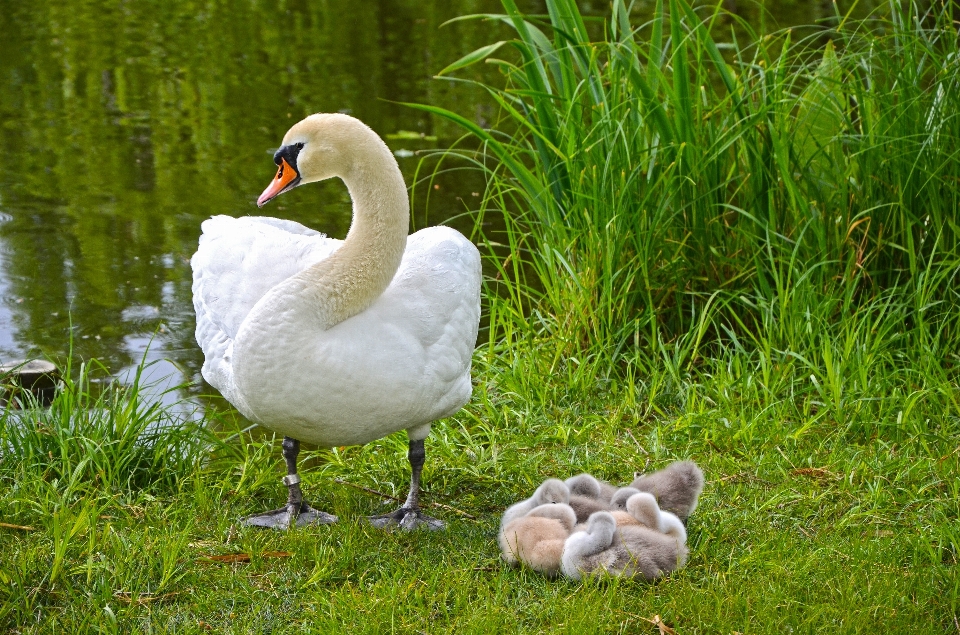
[
  {"x": 436, "y": 290},
  {"x": 237, "y": 262}
]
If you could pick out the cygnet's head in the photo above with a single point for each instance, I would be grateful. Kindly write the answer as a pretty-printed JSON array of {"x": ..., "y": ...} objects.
[
  {"x": 620, "y": 497},
  {"x": 552, "y": 490},
  {"x": 584, "y": 485},
  {"x": 643, "y": 506},
  {"x": 602, "y": 523}
]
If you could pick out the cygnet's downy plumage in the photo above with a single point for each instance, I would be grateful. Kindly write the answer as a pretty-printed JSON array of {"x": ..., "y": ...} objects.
[
  {"x": 621, "y": 496},
  {"x": 643, "y": 507},
  {"x": 584, "y": 506},
  {"x": 588, "y": 495},
  {"x": 537, "y": 539},
  {"x": 590, "y": 486},
  {"x": 625, "y": 551},
  {"x": 676, "y": 487},
  {"x": 552, "y": 490}
]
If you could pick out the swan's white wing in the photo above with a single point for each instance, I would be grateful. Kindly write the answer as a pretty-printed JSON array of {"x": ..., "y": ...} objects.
[
  {"x": 237, "y": 262},
  {"x": 436, "y": 293},
  {"x": 240, "y": 259}
]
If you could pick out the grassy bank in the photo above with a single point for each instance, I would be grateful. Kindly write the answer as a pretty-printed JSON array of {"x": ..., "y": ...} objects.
[
  {"x": 804, "y": 531},
  {"x": 740, "y": 254}
]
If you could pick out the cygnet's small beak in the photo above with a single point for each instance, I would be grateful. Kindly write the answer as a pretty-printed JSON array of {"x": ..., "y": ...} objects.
[{"x": 286, "y": 179}]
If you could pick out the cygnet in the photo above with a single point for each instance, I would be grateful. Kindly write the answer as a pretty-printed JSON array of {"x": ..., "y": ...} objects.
[
  {"x": 643, "y": 507},
  {"x": 552, "y": 490},
  {"x": 626, "y": 551},
  {"x": 676, "y": 487},
  {"x": 621, "y": 496},
  {"x": 584, "y": 506},
  {"x": 590, "y": 486},
  {"x": 537, "y": 539}
]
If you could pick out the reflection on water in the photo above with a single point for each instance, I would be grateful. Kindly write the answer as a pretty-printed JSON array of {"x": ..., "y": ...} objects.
[{"x": 124, "y": 124}]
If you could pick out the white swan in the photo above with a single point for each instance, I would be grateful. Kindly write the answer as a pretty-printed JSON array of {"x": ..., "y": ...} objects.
[{"x": 338, "y": 342}]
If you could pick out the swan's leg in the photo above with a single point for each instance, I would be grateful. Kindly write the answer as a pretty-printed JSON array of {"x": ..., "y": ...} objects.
[
  {"x": 295, "y": 511},
  {"x": 409, "y": 516}
]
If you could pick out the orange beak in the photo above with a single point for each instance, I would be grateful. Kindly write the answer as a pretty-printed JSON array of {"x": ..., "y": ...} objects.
[{"x": 286, "y": 178}]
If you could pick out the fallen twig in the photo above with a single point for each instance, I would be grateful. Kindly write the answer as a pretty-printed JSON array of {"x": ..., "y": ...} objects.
[
  {"x": 144, "y": 598},
  {"x": 20, "y": 527},
  {"x": 664, "y": 629},
  {"x": 244, "y": 557},
  {"x": 381, "y": 494},
  {"x": 639, "y": 447}
]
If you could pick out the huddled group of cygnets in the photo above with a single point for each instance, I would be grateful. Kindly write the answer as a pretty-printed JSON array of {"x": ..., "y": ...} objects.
[{"x": 583, "y": 526}]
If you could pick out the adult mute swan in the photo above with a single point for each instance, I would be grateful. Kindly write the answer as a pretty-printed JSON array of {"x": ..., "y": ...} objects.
[{"x": 338, "y": 342}]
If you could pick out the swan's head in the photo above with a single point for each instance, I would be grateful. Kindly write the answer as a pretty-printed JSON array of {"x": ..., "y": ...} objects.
[{"x": 319, "y": 147}]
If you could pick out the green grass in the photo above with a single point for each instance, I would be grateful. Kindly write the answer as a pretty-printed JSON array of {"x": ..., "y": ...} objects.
[
  {"x": 806, "y": 531},
  {"x": 742, "y": 255}
]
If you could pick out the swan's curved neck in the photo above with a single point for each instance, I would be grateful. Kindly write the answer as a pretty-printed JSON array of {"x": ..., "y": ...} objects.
[{"x": 356, "y": 274}]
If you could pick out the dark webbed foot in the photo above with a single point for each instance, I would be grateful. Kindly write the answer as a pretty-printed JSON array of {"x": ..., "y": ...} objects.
[
  {"x": 409, "y": 516},
  {"x": 281, "y": 518},
  {"x": 296, "y": 511},
  {"x": 408, "y": 519}
]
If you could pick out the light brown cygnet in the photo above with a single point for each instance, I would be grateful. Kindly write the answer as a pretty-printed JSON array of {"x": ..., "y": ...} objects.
[{"x": 537, "y": 539}]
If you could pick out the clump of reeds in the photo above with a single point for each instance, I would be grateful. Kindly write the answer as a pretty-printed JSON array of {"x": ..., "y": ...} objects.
[
  {"x": 666, "y": 199},
  {"x": 108, "y": 437}
]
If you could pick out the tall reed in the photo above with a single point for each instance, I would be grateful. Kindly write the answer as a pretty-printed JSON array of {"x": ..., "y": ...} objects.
[
  {"x": 109, "y": 439},
  {"x": 657, "y": 187}
]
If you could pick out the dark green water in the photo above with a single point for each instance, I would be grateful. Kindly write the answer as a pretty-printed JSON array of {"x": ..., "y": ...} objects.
[{"x": 124, "y": 124}]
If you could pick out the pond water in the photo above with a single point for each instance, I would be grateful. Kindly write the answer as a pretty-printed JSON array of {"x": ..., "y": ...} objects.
[{"x": 124, "y": 124}]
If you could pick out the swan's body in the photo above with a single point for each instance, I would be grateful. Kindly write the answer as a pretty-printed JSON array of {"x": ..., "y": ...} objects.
[
  {"x": 338, "y": 342},
  {"x": 401, "y": 363}
]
